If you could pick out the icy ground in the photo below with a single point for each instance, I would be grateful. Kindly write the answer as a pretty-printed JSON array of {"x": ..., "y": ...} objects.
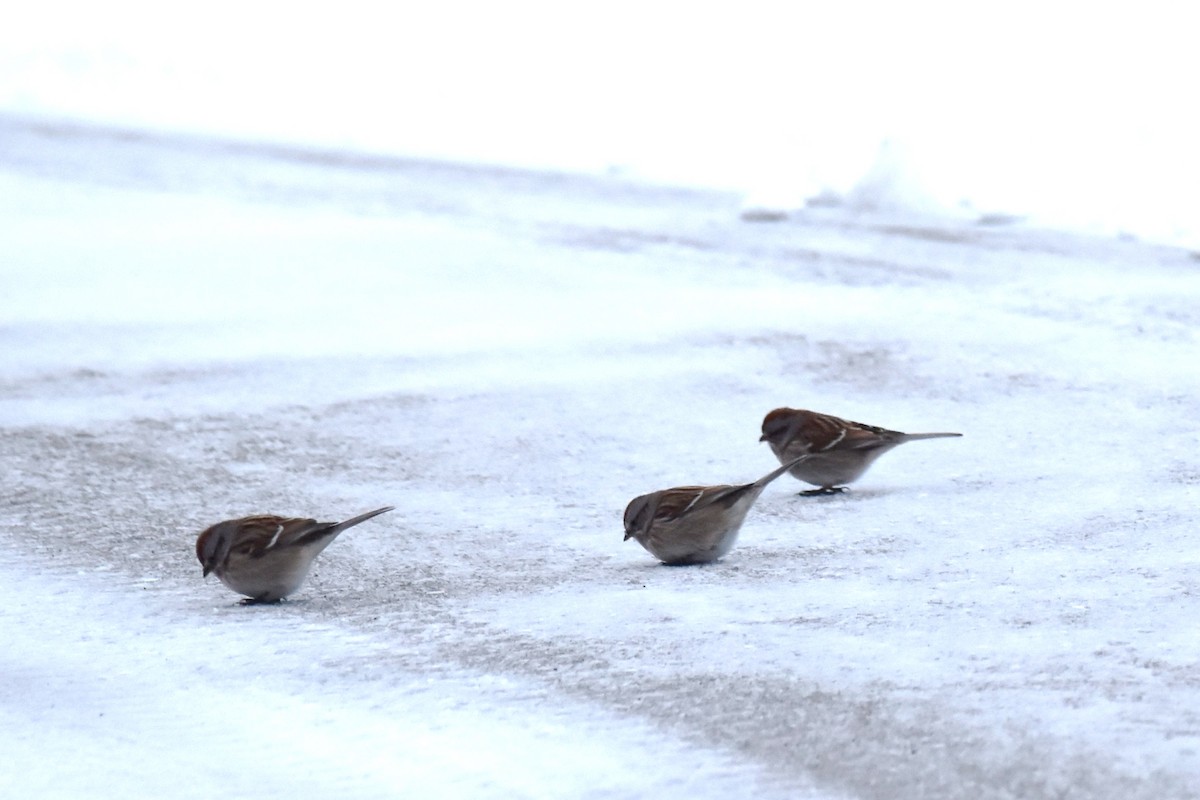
[{"x": 191, "y": 330}]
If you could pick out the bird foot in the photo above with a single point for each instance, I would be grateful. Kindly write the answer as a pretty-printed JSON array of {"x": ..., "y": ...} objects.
[
  {"x": 251, "y": 601},
  {"x": 823, "y": 492}
]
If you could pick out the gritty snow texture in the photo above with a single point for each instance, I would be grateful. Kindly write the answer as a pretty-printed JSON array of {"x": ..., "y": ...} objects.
[{"x": 195, "y": 330}]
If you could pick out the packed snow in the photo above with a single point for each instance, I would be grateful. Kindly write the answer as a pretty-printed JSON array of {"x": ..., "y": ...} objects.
[
  {"x": 264, "y": 268},
  {"x": 195, "y": 331}
]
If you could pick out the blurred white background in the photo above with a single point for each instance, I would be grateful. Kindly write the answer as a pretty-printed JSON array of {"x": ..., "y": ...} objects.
[{"x": 1070, "y": 114}]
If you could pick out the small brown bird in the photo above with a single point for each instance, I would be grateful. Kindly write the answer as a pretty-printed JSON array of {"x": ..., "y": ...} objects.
[
  {"x": 266, "y": 557},
  {"x": 694, "y": 524},
  {"x": 841, "y": 450}
]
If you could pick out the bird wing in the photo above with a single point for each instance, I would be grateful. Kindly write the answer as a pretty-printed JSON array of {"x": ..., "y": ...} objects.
[
  {"x": 260, "y": 535},
  {"x": 825, "y": 432},
  {"x": 684, "y": 500}
]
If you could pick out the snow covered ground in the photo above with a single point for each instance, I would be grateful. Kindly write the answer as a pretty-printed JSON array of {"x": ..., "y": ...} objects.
[{"x": 192, "y": 330}]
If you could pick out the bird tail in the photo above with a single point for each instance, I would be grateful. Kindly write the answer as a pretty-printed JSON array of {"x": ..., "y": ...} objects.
[
  {"x": 770, "y": 476},
  {"x": 910, "y": 437},
  {"x": 350, "y": 523}
]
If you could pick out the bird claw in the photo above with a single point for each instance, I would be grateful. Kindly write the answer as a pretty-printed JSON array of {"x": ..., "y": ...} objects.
[{"x": 824, "y": 492}]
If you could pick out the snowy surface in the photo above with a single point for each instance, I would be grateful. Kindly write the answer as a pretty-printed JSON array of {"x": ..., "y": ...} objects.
[{"x": 192, "y": 330}]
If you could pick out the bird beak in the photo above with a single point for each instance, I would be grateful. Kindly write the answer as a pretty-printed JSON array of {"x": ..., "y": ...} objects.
[
  {"x": 628, "y": 536},
  {"x": 762, "y": 438},
  {"x": 207, "y": 569}
]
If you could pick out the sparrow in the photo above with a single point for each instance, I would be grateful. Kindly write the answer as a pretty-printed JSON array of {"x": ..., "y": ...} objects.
[
  {"x": 266, "y": 557},
  {"x": 841, "y": 450},
  {"x": 694, "y": 524}
]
